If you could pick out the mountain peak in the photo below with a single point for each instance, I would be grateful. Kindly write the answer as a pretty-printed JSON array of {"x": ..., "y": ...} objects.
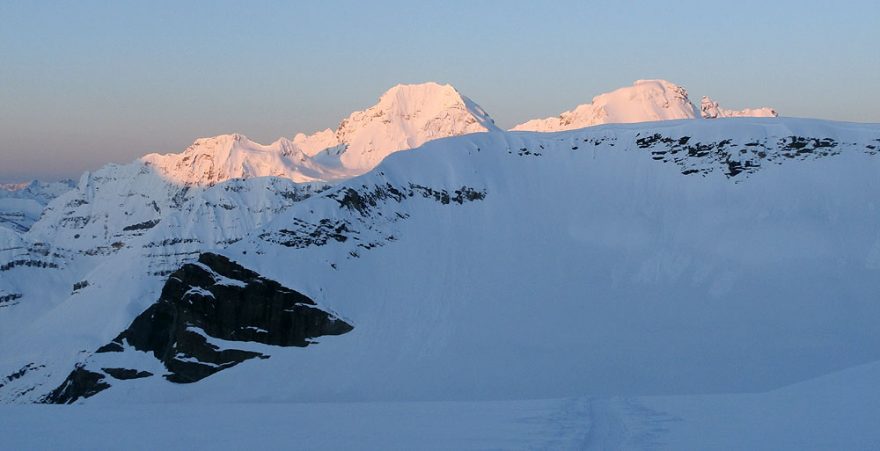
[
  {"x": 405, "y": 96},
  {"x": 211, "y": 160},
  {"x": 405, "y": 116},
  {"x": 645, "y": 100}
]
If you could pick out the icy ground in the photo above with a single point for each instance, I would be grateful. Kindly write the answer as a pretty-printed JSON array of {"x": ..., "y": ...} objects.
[{"x": 838, "y": 411}]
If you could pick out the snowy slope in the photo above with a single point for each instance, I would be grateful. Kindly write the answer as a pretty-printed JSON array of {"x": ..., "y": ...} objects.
[
  {"x": 644, "y": 101},
  {"x": 837, "y": 411},
  {"x": 22, "y": 204},
  {"x": 663, "y": 258}
]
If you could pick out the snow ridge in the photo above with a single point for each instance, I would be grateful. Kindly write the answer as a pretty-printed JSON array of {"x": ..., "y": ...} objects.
[
  {"x": 22, "y": 204},
  {"x": 709, "y": 109},
  {"x": 644, "y": 101}
]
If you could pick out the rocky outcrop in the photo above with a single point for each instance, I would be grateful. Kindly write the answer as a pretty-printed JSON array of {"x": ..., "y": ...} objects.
[
  {"x": 81, "y": 383},
  {"x": 201, "y": 304}
]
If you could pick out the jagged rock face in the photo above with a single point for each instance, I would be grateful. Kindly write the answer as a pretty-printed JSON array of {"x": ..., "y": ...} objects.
[
  {"x": 220, "y": 299},
  {"x": 213, "y": 298},
  {"x": 81, "y": 383}
]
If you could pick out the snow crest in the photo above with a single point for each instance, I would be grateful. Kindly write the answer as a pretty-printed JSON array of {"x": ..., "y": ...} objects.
[
  {"x": 644, "y": 101},
  {"x": 709, "y": 109}
]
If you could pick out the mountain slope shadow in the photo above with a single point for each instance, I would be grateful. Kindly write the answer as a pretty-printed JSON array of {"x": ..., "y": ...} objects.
[{"x": 211, "y": 298}]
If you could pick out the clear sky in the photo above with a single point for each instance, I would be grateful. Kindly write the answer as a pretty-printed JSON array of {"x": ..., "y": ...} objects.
[{"x": 83, "y": 83}]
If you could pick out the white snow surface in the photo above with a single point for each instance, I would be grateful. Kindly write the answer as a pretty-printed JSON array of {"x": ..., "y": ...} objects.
[
  {"x": 644, "y": 101},
  {"x": 709, "y": 109},
  {"x": 406, "y": 116},
  {"x": 224, "y": 157},
  {"x": 837, "y": 411},
  {"x": 627, "y": 275},
  {"x": 21, "y": 204},
  {"x": 587, "y": 268}
]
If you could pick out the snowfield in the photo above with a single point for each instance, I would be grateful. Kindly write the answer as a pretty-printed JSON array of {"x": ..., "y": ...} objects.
[
  {"x": 684, "y": 284},
  {"x": 838, "y": 411}
]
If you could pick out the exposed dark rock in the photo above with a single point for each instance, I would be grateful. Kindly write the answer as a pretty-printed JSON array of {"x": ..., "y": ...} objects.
[
  {"x": 141, "y": 225},
  {"x": 365, "y": 199},
  {"x": 219, "y": 298},
  {"x": 6, "y": 300},
  {"x": 75, "y": 222},
  {"x": 21, "y": 372},
  {"x": 523, "y": 151},
  {"x": 307, "y": 234},
  {"x": 730, "y": 158},
  {"x": 80, "y": 285},
  {"x": 170, "y": 242},
  {"x": 28, "y": 263},
  {"x": 81, "y": 383},
  {"x": 302, "y": 234},
  {"x": 126, "y": 373},
  {"x": 110, "y": 347}
]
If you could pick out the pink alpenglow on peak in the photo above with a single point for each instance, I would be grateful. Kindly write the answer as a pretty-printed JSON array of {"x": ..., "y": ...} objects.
[
  {"x": 212, "y": 160},
  {"x": 406, "y": 116},
  {"x": 644, "y": 101},
  {"x": 709, "y": 109}
]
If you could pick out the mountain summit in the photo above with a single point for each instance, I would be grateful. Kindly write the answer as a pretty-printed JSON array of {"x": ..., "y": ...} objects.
[
  {"x": 406, "y": 116},
  {"x": 644, "y": 101}
]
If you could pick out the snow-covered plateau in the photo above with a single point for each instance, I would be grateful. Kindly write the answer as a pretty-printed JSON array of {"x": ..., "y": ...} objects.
[{"x": 704, "y": 281}]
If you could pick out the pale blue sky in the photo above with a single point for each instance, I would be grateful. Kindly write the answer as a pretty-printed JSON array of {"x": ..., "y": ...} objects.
[{"x": 83, "y": 83}]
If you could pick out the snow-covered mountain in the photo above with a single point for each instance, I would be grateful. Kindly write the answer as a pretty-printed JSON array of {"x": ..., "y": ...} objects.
[
  {"x": 674, "y": 257},
  {"x": 644, "y": 101},
  {"x": 211, "y": 160},
  {"x": 406, "y": 116},
  {"x": 21, "y": 204},
  {"x": 117, "y": 202},
  {"x": 709, "y": 109}
]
